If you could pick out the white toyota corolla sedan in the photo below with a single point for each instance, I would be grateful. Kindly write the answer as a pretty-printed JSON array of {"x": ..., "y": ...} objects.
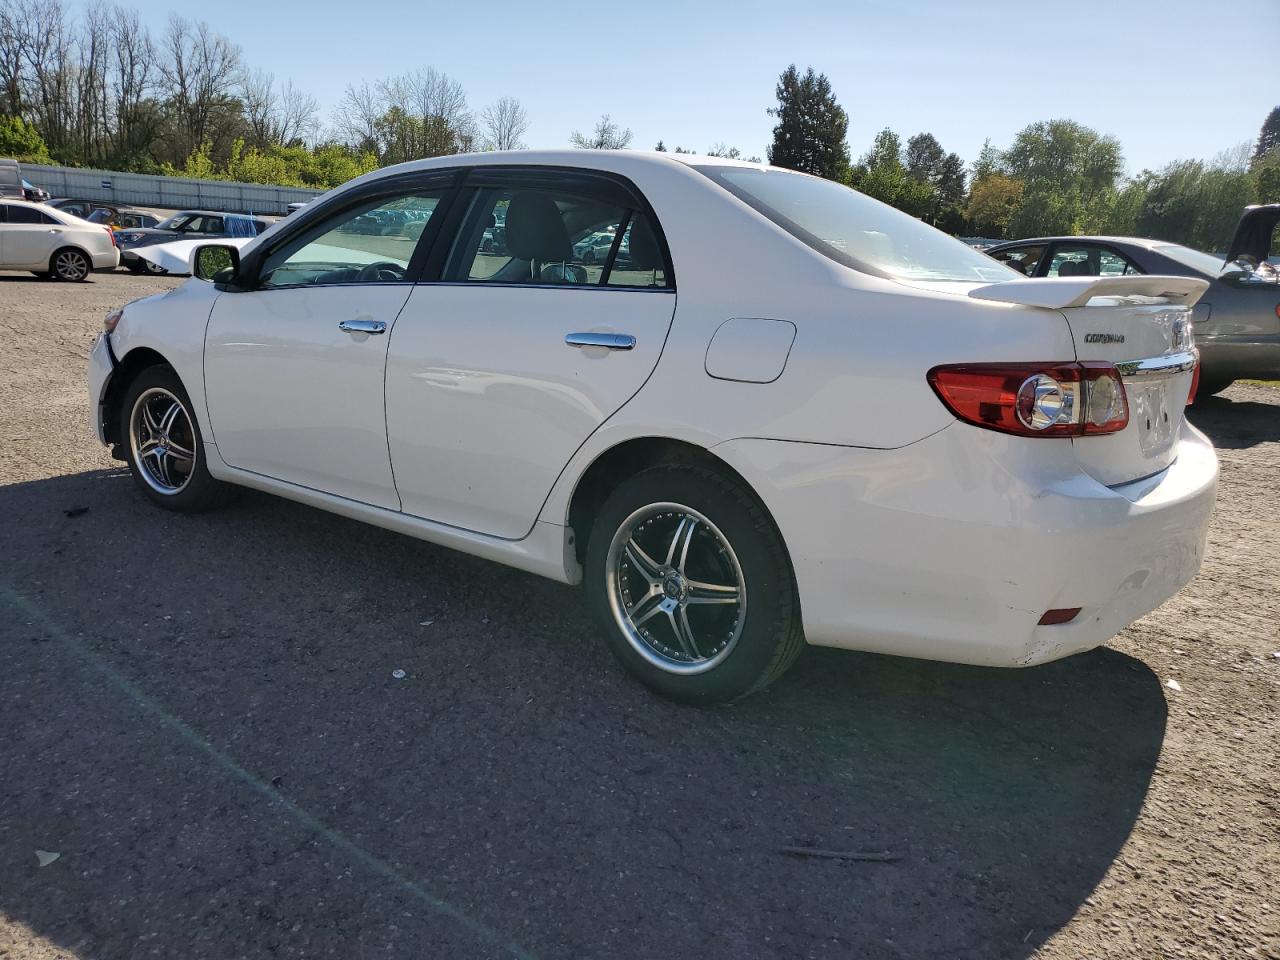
[{"x": 771, "y": 410}]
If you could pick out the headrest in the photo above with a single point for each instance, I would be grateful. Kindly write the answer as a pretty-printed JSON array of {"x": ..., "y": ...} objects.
[
  {"x": 535, "y": 229},
  {"x": 645, "y": 253}
]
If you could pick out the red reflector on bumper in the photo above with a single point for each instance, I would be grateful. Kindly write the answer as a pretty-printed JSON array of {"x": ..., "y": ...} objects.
[{"x": 1065, "y": 615}]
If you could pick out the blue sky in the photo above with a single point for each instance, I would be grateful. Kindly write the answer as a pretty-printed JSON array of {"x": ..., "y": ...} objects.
[{"x": 1173, "y": 79}]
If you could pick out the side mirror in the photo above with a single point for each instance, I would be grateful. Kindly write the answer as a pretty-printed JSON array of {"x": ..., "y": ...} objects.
[{"x": 215, "y": 262}]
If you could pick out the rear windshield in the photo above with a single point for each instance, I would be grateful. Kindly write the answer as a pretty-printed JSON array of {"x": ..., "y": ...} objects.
[
  {"x": 855, "y": 230},
  {"x": 1204, "y": 262}
]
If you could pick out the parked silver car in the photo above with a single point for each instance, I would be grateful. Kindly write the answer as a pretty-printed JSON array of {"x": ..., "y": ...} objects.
[{"x": 1237, "y": 322}]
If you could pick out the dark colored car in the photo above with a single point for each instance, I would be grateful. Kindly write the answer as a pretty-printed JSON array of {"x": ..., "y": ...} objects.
[
  {"x": 1237, "y": 322},
  {"x": 185, "y": 225},
  {"x": 108, "y": 214},
  {"x": 33, "y": 193}
]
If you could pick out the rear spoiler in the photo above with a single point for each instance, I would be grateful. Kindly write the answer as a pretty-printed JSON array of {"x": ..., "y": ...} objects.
[{"x": 1058, "y": 293}]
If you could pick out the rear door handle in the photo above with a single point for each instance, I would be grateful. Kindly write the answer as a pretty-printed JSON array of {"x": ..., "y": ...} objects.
[
  {"x": 613, "y": 341},
  {"x": 363, "y": 326}
]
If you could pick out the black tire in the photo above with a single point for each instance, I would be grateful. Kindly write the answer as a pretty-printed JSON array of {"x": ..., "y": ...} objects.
[
  {"x": 153, "y": 268},
  {"x": 134, "y": 266},
  {"x": 770, "y": 636},
  {"x": 70, "y": 264},
  {"x": 1210, "y": 387},
  {"x": 199, "y": 491},
  {"x": 589, "y": 255}
]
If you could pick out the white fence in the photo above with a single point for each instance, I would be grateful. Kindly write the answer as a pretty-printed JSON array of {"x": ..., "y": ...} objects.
[{"x": 146, "y": 190}]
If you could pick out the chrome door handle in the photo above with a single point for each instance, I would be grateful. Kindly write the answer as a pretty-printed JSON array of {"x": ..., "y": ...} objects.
[
  {"x": 363, "y": 326},
  {"x": 613, "y": 341}
]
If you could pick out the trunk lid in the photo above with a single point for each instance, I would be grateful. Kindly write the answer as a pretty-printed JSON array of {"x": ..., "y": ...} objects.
[
  {"x": 1254, "y": 234},
  {"x": 1142, "y": 325}
]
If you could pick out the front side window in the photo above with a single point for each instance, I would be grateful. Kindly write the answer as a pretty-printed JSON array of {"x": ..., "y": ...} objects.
[
  {"x": 855, "y": 230},
  {"x": 1023, "y": 259},
  {"x": 370, "y": 243},
  {"x": 566, "y": 233}
]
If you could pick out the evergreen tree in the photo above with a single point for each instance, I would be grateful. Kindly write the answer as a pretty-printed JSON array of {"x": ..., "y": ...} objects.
[
  {"x": 812, "y": 126},
  {"x": 660, "y": 147},
  {"x": 924, "y": 158},
  {"x": 1268, "y": 136}
]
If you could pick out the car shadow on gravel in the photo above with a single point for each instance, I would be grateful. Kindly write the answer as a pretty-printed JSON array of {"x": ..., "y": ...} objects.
[
  {"x": 1236, "y": 424},
  {"x": 201, "y": 719}
]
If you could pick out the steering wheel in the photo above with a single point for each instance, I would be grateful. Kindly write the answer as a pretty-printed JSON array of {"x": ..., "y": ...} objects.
[{"x": 383, "y": 270}]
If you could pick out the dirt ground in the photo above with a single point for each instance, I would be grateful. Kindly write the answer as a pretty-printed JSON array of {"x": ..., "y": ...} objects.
[{"x": 198, "y": 716}]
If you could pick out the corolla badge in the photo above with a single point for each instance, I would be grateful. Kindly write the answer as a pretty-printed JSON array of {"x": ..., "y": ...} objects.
[{"x": 1104, "y": 338}]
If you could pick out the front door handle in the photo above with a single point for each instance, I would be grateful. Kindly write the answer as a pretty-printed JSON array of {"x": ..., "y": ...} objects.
[
  {"x": 363, "y": 326},
  {"x": 613, "y": 341}
]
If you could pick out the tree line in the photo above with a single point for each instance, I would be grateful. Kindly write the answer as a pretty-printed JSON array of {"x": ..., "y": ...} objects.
[
  {"x": 1056, "y": 177},
  {"x": 103, "y": 90}
]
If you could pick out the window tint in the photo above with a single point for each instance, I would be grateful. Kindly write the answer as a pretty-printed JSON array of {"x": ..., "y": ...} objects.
[
  {"x": 1022, "y": 259},
  {"x": 19, "y": 214},
  {"x": 1088, "y": 260},
  {"x": 371, "y": 243},
  {"x": 561, "y": 234}
]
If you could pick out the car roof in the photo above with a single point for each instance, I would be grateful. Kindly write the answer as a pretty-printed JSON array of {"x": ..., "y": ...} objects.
[{"x": 1146, "y": 242}]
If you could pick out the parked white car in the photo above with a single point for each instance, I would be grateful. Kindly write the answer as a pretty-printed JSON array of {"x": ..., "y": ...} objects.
[
  {"x": 44, "y": 240},
  {"x": 847, "y": 428}
]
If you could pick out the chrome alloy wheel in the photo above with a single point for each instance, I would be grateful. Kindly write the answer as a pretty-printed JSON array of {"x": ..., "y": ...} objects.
[
  {"x": 162, "y": 440},
  {"x": 676, "y": 588},
  {"x": 71, "y": 265}
]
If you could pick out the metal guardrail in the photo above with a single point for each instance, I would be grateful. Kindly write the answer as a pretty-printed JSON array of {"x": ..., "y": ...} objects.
[{"x": 148, "y": 190}]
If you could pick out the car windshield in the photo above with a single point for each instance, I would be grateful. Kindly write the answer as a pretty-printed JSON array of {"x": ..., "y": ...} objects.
[
  {"x": 177, "y": 221},
  {"x": 1206, "y": 263},
  {"x": 855, "y": 230}
]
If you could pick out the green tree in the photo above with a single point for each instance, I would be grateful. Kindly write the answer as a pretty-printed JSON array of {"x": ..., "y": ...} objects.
[
  {"x": 1268, "y": 136},
  {"x": 993, "y": 200},
  {"x": 812, "y": 127},
  {"x": 924, "y": 158},
  {"x": 880, "y": 173},
  {"x": 1195, "y": 204},
  {"x": 1069, "y": 173},
  {"x": 21, "y": 141}
]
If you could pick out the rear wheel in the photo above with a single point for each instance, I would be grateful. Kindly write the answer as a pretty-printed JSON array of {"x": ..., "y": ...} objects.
[
  {"x": 153, "y": 268},
  {"x": 691, "y": 585},
  {"x": 70, "y": 264},
  {"x": 163, "y": 446}
]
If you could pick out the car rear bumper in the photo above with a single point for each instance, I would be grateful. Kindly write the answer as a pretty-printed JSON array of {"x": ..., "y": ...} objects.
[
  {"x": 1235, "y": 358},
  {"x": 108, "y": 260},
  {"x": 954, "y": 547}
]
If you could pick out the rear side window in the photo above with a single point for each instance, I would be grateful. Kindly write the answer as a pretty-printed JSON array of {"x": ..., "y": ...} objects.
[
  {"x": 18, "y": 214},
  {"x": 853, "y": 229},
  {"x": 1088, "y": 260},
  {"x": 562, "y": 230}
]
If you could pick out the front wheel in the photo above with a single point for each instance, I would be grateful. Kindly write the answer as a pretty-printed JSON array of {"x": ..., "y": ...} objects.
[
  {"x": 691, "y": 585},
  {"x": 153, "y": 268},
  {"x": 163, "y": 445}
]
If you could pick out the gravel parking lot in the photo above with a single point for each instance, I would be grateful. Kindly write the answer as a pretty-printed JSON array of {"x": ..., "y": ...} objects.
[{"x": 199, "y": 717}]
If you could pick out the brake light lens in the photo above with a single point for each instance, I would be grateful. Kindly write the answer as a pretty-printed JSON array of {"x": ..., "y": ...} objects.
[
  {"x": 1035, "y": 399},
  {"x": 1195, "y": 384},
  {"x": 112, "y": 234},
  {"x": 113, "y": 318}
]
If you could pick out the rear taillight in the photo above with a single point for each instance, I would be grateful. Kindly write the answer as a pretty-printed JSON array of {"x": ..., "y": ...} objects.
[
  {"x": 1195, "y": 384},
  {"x": 112, "y": 234},
  {"x": 1035, "y": 399}
]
